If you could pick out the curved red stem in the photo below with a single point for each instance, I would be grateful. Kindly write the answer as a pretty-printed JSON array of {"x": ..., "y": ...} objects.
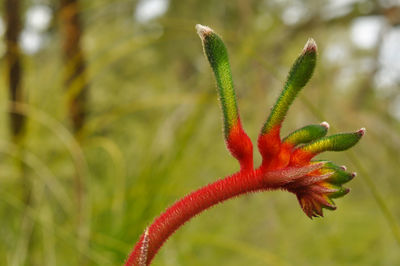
[{"x": 183, "y": 210}]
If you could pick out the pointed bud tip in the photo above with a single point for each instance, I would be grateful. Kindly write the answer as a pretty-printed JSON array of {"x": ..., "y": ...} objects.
[
  {"x": 361, "y": 131},
  {"x": 354, "y": 174},
  {"x": 310, "y": 46},
  {"x": 203, "y": 31},
  {"x": 325, "y": 124}
]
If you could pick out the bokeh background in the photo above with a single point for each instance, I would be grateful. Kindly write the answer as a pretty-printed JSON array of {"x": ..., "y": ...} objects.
[{"x": 109, "y": 114}]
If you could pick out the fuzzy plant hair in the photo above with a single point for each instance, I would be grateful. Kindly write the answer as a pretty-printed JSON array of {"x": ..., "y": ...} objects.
[{"x": 286, "y": 162}]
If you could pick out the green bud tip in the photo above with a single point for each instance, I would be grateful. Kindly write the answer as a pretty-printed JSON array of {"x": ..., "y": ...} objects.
[
  {"x": 344, "y": 168},
  {"x": 325, "y": 124},
  {"x": 310, "y": 46},
  {"x": 361, "y": 131},
  {"x": 203, "y": 31}
]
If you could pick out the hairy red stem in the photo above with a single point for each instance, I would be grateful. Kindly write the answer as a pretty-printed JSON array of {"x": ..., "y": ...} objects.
[{"x": 183, "y": 210}]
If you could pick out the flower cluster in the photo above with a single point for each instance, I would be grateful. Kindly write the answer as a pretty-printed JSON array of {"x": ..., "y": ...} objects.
[
  {"x": 314, "y": 190},
  {"x": 286, "y": 162}
]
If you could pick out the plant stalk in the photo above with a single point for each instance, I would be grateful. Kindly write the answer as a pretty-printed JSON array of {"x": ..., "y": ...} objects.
[
  {"x": 185, "y": 209},
  {"x": 242, "y": 182}
]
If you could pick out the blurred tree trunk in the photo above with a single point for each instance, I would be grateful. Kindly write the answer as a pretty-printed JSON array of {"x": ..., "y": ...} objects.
[
  {"x": 75, "y": 79},
  {"x": 14, "y": 74},
  {"x": 75, "y": 74},
  {"x": 77, "y": 91},
  {"x": 13, "y": 58}
]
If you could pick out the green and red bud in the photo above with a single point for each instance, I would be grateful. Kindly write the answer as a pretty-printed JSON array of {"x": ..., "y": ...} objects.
[
  {"x": 237, "y": 141},
  {"x": 217, "y": 55},
  {"x": 338, "y": 142},
  {"x": 269, "y": 141},
  {"x": 299, "y": 75}
]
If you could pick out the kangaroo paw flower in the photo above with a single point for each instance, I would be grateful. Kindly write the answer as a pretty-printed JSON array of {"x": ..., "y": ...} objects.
[{"x": 286, "y": 163}]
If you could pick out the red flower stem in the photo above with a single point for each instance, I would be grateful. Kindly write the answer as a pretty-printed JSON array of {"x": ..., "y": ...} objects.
[{"x": 183, "y": 210}]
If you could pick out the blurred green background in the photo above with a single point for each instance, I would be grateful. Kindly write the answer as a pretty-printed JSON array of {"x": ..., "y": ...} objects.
[{"x": 150, "y": 131}]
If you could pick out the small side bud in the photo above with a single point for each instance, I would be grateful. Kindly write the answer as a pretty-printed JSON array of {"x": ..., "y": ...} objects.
[
  {"x": 340, "y": 193},
  {"x": 362, "y": 131},
  {"x": 306, "y": 134},
  {"x": 338, "y": 142},
  {"x": 325, "y": 124},
  {"x": 339, "y": 176}
]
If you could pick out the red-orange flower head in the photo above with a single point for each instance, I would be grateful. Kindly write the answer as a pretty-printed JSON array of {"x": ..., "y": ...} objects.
[
  {"x": 281, "y": 157},
  {"x": 316, "y": 189}
]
